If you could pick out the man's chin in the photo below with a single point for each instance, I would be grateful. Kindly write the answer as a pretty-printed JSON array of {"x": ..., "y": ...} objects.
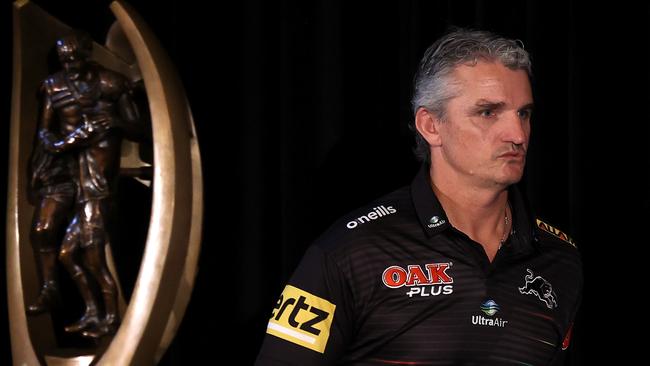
[{"x": 511, "y": 177}]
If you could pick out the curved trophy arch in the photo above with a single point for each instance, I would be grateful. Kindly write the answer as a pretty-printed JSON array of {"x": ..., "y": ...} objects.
[{"x": 168, "y": 268}]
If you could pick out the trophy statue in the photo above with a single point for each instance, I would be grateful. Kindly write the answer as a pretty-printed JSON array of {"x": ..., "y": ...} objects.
[
  {"x": 83, "y": 133},
  {"x": 73, "y": 169}
]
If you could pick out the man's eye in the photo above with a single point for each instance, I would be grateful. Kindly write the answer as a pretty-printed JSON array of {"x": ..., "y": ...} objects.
[
  {"x": 486, "y": 113},
  {"x": 525, "y": 114}
]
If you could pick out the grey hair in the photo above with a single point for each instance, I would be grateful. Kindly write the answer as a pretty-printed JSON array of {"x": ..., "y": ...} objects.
[{"x": 434, "y": 86}]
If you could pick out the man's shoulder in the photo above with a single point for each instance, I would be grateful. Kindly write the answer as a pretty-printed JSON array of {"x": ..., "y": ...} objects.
[
  {"x": 550, "y": 234},
  {"x": 111, "y": 79},
  {"x": 558, "y": 250},
  {"x": 382, "y": 217},
  {"x": 108, "y": 73}
]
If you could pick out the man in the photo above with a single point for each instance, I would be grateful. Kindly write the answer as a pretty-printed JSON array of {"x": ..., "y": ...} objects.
[
  {"x": 88, "y": 103},
  {"x": 51, "y": 190},
  {"x": 452, "y": 269}
]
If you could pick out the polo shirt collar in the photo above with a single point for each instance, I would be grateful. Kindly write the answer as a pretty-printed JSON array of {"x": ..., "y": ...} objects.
[{"x": 433, "y": 219}]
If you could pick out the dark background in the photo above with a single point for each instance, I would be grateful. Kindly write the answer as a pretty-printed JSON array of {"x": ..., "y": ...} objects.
[{"x": 301, "y": 110}]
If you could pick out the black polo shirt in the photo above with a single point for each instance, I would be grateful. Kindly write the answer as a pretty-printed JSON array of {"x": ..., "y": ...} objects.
[{"x": 393, "y": 283}]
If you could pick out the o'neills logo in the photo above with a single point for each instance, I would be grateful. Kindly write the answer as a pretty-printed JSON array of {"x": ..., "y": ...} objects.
[
  {"x": 377, "y": 212},
  {"x": 431, "y": 281}
]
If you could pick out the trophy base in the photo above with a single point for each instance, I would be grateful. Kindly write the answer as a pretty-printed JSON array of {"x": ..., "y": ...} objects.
[{"x": 84, "y": 360}]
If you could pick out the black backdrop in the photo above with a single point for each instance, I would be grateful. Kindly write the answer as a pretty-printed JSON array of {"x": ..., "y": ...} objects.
[{"x": 301, "y": 110}]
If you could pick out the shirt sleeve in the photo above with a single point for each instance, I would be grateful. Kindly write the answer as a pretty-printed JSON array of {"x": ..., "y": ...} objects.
[
  {"x": 311, "y": 323},
  {"x": 567, "y": 353}
]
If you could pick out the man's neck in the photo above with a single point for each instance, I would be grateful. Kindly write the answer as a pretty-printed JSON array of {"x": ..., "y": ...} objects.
[
  {"x": 477, "y": 212},
  {"x": 76, "y": 71}
]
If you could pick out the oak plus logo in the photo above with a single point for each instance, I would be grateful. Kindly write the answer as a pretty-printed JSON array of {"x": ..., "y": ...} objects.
[
  {"x": 432, "y": 280},
  {"x": 302, "y": 318},
  {"x": 377, "y": 212}
]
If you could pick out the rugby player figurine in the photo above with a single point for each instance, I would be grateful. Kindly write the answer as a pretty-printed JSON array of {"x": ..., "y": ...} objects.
[{"x": 75, "y": 162}]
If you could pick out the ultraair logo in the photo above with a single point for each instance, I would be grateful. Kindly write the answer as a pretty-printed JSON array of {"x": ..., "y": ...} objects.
[
  {"x": 490, "y": 308},
  {"x": 433, "y": 281},
  {"x": 435, "y": 221},
  {"x": 538, "y": 286},
  {"x": 379, "y": 211}
]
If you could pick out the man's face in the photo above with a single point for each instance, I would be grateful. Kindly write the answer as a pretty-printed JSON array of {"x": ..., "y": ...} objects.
[
  {"x": 484, "y": 138},
  {"x": 67, "y": 50},
  {"x": 70, "y": 54}
]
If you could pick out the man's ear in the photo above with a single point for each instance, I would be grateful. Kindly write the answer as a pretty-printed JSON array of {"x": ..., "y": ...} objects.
[{"x": 427, "y": 123}]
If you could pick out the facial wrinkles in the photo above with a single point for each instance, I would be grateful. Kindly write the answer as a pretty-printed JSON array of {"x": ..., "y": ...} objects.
[
  {"x": 479, "y": 136},
  {"x": 507, "y": 91}
]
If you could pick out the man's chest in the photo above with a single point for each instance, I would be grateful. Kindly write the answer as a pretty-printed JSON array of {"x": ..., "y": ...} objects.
[{"x": 447, "y": 309}]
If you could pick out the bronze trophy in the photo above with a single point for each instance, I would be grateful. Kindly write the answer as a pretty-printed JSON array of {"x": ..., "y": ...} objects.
[{"x": 70, "y": 145}]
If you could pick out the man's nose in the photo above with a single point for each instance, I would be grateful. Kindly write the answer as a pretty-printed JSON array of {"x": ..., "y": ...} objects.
[{"x": 516, "y": 130}]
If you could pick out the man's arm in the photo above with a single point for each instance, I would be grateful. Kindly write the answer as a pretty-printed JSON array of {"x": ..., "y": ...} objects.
[
  {"x": 47, "y": 112},
  {"x": 311, "y": 323},
  {"x": 39, "y": 159},
  {"x": 130, "y": 120},
  {"x": 90, "y": 131}
]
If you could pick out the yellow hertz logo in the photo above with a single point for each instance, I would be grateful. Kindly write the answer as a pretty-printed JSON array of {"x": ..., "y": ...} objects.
[
  {"x": 546, "y": 227},
  {"x": 302, "y": 318}
]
